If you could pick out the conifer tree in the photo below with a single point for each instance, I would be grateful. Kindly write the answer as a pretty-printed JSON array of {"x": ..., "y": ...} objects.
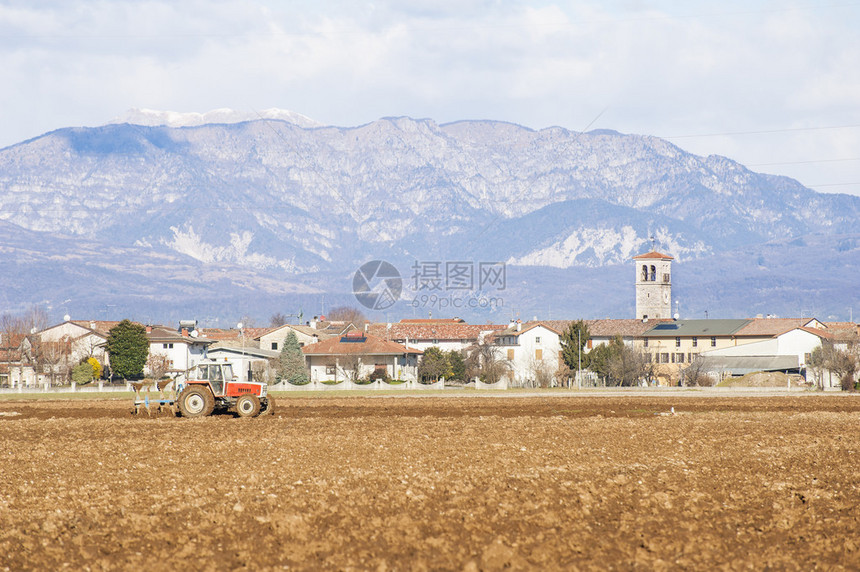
[
  {"x": 291, "y": 365},
  {"x": 128, "y": 347}
]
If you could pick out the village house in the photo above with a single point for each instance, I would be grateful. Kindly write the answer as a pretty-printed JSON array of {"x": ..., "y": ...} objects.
[
  {"x": 47, "y": 357},
  {"x": 273, "y": 338},
  {"x": 180, "y": 349},
  {"x": 533, "y": 352},
  {"x": 13, "y": 373},
  {"x": 446, "y": 334},
  {"x": 356, "y": 355}
]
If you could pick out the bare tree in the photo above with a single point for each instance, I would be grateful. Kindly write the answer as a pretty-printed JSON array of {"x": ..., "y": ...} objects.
[
  {"x": 483, "y": 362},
  {"x": 350, "y": 366},
  {"x": 541, "y": 373},
  {"x": 348, "y": 314},
  {"x": 263, "y": 371},
  {"x": 828, "y": 358},
  {"x": 277, "y": 320},
  {"x": 36, "y": 319},
  {"x": 695, "y": 374},
  {"x": 628, "y": 366},
  {"x": 52, "y": 358},
  {"x": 157, "y": 364}
]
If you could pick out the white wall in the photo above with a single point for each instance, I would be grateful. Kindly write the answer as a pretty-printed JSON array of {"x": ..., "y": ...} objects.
[
  {"x": 396, "y": 366},
  {"x": 524, "y": 353},
  {"x": 183, "y": 356}
]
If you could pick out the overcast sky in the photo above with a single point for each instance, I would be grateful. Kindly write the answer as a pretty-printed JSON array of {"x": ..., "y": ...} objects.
[{"x": 774, "y": 85}]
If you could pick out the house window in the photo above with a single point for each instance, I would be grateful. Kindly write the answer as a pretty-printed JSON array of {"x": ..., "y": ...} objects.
[
  {"x": 645, "y": 343},
  {"x": 510, "y": 354},
  {"x": 537, "y": 339},
  {"x": 589, "y": 344},
  {"x": 664, "y": 357},
  {"x": 713, "y": 341},
  {"x": 644, "y": 273},
  {"x": 435, "y": 342},
  {"x": 274, "y": 345},
  {"x": 653, "y": 273},
  {"x": 665, "y": 278},
  {"x": 678, "y": 342},
  {"x": 167, "y": 346},
  {"x": 329, "y": 370},
  {"x": 695, "y": 342},
  {"x": 680, "y": 358},
  {"x": 538, "y": 355}
]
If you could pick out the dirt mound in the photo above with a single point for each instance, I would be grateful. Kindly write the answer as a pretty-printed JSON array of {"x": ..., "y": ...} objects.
[{"x": 764, "y": 379}]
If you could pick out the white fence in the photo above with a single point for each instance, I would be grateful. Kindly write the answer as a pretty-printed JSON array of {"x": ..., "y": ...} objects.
[
  {"x": 73, "y": 388},
  {"x": 376, "y": 385}
]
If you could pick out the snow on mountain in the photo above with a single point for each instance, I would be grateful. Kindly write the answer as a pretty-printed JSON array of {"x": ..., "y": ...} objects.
[
  {"x": 276, "y": 202},
  {"x": 153, "y": 118}
]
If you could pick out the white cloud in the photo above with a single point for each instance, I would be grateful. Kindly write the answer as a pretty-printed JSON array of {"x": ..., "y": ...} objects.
[{"x": 656, "y": 67}]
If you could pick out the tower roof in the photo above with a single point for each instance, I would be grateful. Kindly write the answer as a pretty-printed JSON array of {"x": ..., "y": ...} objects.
[{"x": 653, "y": 255}]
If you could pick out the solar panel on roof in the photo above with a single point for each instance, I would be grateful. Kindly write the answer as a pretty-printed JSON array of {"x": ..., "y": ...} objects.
[{"x": 353, "y": 339}]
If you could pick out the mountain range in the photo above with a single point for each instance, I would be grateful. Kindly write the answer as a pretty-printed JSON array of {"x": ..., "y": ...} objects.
[{"x": 161, "y": 216}]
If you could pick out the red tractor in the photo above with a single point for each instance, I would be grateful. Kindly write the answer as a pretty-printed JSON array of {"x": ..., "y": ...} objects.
[{"x": 211, "y": 386}]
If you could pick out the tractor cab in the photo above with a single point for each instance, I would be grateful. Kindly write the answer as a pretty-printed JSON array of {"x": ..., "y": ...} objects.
[{"x": 216, "y": 374}]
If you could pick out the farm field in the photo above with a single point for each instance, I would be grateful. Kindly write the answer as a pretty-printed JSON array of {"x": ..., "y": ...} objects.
[{"x": 436, "y": 483}]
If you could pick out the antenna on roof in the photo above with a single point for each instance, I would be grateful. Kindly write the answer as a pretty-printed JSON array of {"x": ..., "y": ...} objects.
[{"x": 653, "y": 243}]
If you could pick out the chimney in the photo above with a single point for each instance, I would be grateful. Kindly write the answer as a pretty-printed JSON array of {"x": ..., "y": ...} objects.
[
  {"x": 148, "y": 329},
  {"x": 519, "y": 325},
  {"x": 184, "y": 332}
]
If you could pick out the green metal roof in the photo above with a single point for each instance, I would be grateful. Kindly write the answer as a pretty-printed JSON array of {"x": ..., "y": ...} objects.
[{"x": 695, "y": 328}]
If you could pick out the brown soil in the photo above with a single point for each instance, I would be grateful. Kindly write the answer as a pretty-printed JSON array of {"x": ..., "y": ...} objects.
[{"x": 435, "y": 484}]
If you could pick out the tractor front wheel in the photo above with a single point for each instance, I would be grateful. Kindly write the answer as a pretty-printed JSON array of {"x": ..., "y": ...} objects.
[
  {"x": 196, "y": 401},
  {"x": 248, "y": 405}
]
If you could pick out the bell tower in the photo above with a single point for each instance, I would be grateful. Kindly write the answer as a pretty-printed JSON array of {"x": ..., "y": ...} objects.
[{"x": 653, "y": 286}]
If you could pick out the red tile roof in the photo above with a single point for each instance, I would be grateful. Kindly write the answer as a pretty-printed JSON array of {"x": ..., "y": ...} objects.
[
  {"x": 221, "y": 334},
  {"x": 102, "y": 327},
  {"x": 653, "y": 255},
  {"x": 608, "y": 328},
  {"x": 819, "y": 332},
  {"x": 771, "y": 326},
  {"x": 431, "y": 331},
  {"x": 512, "y": 331},
  {"x": 432, "y": 321},
  {"x": 168, "y": 334},
  {"x": 364, "y": 345}
]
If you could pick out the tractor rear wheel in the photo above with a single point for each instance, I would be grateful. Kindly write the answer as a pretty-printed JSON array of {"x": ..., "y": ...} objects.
[
  {"x": 269, "y": 407},
  {"x": 196, "y": 401},
  {"x": 248, "y": 405}
]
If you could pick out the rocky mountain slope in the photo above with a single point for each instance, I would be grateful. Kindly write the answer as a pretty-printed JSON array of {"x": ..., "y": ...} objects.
[{"x": 281, "y": 211}]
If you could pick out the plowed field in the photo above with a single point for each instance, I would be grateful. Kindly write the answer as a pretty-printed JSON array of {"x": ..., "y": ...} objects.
[{"x": 440, "y": 483}]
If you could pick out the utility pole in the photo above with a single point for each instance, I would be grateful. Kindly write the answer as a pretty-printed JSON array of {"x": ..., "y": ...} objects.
[{"x": 579, "y": 358}]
